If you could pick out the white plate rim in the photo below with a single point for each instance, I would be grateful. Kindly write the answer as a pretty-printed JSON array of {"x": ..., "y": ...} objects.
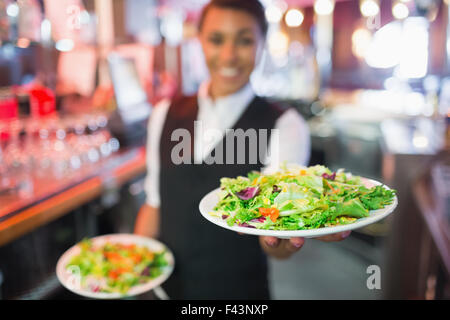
[
  {"x": 375, "y": 216},
  {"x": 63, "y": 275}
]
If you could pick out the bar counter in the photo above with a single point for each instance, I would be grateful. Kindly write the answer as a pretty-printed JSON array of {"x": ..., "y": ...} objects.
[
  {"x": 432, "y": 194},
  {"x": 52, "y": 198}
]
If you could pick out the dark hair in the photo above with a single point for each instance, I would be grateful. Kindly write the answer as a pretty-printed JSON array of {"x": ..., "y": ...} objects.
[{"x": 252, "y": 7}]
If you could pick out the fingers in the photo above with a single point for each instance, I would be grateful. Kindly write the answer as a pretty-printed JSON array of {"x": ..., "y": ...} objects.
[
  {"x": 334, "y": 237},
  {"x": 291, "y": 245},
  {"x": 295, "y": 244},
  {"x": 272, "y": 242}
]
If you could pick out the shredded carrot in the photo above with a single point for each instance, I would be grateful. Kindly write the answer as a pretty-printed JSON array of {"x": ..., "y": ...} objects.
[
  {"x": 272, "y": 213},
  {"x": 264, "y": 211},
  {"x": 329, "y": 185},
  {"x": 336, "y": 190}
]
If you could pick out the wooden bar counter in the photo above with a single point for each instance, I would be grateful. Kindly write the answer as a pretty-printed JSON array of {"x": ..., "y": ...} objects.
[{"x": 52, "y": 198}]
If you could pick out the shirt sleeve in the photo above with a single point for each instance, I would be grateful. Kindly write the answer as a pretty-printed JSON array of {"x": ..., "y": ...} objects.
[
  {"x": 154, "y": 130},
  {"x": 290, "y": 142}
]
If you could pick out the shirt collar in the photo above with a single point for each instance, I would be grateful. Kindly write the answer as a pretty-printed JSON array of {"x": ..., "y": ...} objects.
[{"x": 234, "y": 103}]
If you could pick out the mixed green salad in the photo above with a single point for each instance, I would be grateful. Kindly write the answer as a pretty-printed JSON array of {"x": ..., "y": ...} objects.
[
  {"x": 298, "y": 198},
  {"x": 116, "y": 267}
]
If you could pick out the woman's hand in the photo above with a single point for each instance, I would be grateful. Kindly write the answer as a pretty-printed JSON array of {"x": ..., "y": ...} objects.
[
  {"x": 284, "y": 248},
  {"x": 281, "y": 248}
]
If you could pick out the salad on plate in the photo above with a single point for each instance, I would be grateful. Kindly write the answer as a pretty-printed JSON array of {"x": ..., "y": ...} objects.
[
  {"x": 298, "y": 198},
  {"x": 115, "y": 267}
]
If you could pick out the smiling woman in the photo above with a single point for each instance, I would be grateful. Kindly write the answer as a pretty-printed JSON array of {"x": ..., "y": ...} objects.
[
  {"x": 232, "y": 35},
  {"x": 214, "y": 263}
]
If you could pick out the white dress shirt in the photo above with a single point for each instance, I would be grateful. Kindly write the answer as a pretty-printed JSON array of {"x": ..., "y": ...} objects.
[{"x": 292, "y": 142}]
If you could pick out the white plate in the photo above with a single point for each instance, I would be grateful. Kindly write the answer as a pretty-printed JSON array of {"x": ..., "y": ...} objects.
[
  {"x": 70, "y": 279},
  {"x": 209, "y": 201}
]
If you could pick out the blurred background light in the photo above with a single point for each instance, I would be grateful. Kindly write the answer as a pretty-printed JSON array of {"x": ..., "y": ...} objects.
[
  {"x": 64, "y": 45},
  {"x": 400, "y": 10},
  {"x": 414, "y": 48},
  {"x": 274, "y": 14},
  {"x": 12, "y": 10},
  {"x": 323, "y": 56},
  {"x": 384, "y": 50},
  {"x": 369, "y": 8},
  {"x": 361, "y": 39},
  {"x": 23, "y": 43},
  {"x": 393, "y": 84},
  {"x": 278, "y": 44},
  {"x": 324, "y": 7},
  {"x": 46, "y": 31},
  {"x": 414, "y": 103},
  {"x": 294, "y": 18},
  {"x": 172, "y": 26},
  {"x": 420, "y": 141}
]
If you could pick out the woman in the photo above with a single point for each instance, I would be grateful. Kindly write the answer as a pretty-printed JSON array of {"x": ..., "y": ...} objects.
[{"x": 214, "y": 263}]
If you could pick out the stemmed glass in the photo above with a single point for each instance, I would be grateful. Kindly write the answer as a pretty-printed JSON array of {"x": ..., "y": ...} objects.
[
  {"x": 51, "y": 147},
  {"x": 16, "y": 171}
]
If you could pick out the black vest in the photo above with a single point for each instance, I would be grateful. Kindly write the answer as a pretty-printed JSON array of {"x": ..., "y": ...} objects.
[{"x": 210, "y": 262}]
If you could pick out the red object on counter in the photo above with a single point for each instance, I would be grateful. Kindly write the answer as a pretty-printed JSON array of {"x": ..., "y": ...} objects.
[
  {"x": 8, "y": 111},
  {"x": 42, "y": 102},
  {"x": 8, "y": 108}
]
